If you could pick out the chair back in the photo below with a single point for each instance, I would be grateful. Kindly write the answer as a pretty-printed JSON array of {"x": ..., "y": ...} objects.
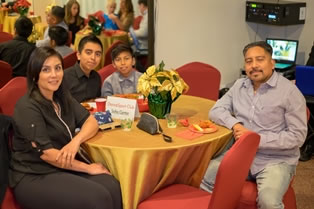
[
  {"x": 5, "y": 73},
  {"x": 203, "y": 79},
  {"x": 69, "y": 41},
  {"x": 233, "y": 171},
  {"x": 69, "y": 60},
  {"x": 137, "y": 22},
  {"x": 108, "y": 60},
  {"x": 106, "y": 71},
  {"x": 4, "y": 36},
  {"x": 11, "y": 93}
]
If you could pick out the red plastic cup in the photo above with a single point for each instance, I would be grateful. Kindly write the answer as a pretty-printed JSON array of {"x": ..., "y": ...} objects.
[{"x": 100, "y": 104}]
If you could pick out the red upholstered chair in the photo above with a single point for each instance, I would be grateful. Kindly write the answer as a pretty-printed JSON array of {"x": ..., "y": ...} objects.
[
  {"x": 106, "y": 71},
  {"x": 69, "y": 60},
  {"x": 4, "y": 36},
  {"x": 11, "y": 93},
  {"x": 231, "y": 176},
  {"x": 5, "y": 73},
  {"x": 137, "y": 22},
  {"x": 9, "y": 201},
  {"x": 203, "y": 79},
  {"x": 108, "y": 60}
]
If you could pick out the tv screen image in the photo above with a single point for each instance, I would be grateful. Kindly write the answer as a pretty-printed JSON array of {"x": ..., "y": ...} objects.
[{"x": 283, "y": 49}]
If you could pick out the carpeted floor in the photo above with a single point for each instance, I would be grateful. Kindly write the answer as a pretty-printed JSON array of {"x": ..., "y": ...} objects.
[{"x": 304, "y": 185}]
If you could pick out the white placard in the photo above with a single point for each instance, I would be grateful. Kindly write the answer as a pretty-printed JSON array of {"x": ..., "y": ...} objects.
[
  {"x": 302, "y": 13},
  {"x": 122, "y": 108}
]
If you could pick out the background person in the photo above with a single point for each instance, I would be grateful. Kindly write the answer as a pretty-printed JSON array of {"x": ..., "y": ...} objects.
[
  {"x": 125, "y": 17},
  {"x": 267, "y": 103},
  {"x": 72, "y": 18},
  {"x": 82, "y": 80},
  {"x": 142, "y": 33},
  {"x": 44, "y": 171},
  {"x": 54, "y": 16},
  {"x": 111, "y": 7},
  {"x": 16, "y": 52},
  {"x": 58, "y": 39}
]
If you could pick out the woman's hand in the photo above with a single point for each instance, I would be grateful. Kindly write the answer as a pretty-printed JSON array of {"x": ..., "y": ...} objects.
[
  {"x": 67, "y": 154},
  {"x": 97, "y": 168},
  {"x": 238, "y": 130}
]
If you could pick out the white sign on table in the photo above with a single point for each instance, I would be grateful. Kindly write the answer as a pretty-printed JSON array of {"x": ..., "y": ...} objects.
[{"x": 122, "y": 108}]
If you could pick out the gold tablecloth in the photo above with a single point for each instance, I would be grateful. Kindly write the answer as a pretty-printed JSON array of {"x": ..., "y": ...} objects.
[
  {"x": 144, "y": 163},
  {"x": 9, "y": 21},
  {"x": 105, "y": 39},
  {"x": 3, "y": 13}
]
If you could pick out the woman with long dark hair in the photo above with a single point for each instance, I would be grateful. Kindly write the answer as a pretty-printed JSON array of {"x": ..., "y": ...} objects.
[{"x": 45, "y": 171}]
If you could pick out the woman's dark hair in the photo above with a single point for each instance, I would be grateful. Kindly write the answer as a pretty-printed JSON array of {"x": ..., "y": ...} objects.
[
  {"x": 34, "y": 66},
  {"x": 119, "y": 49}
]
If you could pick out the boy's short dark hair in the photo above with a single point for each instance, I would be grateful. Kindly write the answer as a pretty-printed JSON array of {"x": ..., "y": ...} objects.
[
  {"x": 90, "y": 38},
  {"x": 142, "y": 2},
  {"x": 268, "y": 49},
  {"x": 119, "y": 49},
  {"x": 58, "y": 12},
  {"x": 58, "y": 34},
  {"x": 23, "y": 26}
]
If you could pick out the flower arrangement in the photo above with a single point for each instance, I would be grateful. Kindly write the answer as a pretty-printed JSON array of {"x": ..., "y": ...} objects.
[
  {"x": 96, "y": 21},
  {"x": 161, "y": 87},
  {"x": 21, "y": 7}
]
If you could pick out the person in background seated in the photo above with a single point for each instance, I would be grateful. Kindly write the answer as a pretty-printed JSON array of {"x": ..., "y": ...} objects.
[
  {"x": 44, "y": 170},
  {"x": 17, "y": 51},
  {"x": 73, "y": 18},
  {"x": 82, "y": 80},
  {"x": 58, "y": 38},
  {"x": 142, "y": 33},
  {"x": 54, "y": 16},
  {"x": 267, "y": 103},
  {"x": 111, "y": 7},
  {"x": 124, "y": 80},
  {"x": 125, "y": 17}
]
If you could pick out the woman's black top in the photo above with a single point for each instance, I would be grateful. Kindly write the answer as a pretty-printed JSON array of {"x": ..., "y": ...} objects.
[{"x": 34, "y": 122}]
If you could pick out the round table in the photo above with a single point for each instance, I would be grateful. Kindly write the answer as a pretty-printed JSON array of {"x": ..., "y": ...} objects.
[
  {"x": 145, "y": 163},
  {"x": 106, "y": 37}
]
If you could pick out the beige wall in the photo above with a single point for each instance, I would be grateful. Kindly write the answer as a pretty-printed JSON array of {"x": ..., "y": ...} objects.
[{"x": 215, "y": 31}]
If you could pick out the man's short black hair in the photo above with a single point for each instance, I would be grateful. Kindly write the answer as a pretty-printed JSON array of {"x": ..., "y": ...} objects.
[
  {"x": 58, "y": 12},
  {"x": 23, "y": 26},
  {"x": 90, "y": 38},
  {"x": 58, "y": 34},
  {"x": 142, "y": 2},
  {"x": 119, "y": 49},
  {"x": 268, "y": 49}
]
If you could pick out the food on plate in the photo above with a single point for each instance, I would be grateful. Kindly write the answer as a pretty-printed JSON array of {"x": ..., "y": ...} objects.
[
  {"x": 197, "y": 127},
  {"x": 205, "y": 124},
  {"x": 87, "y": 106}
]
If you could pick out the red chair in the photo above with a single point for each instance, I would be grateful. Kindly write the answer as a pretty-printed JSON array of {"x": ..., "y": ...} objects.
[
  {"x": 137, "y": 22},
  {"x": 4, "y": 36},
  {"x": 249, "y": 192},
  {"x": 5, "y": 73},
  {"x": 9, "y": 201},
  {"x": 106, "y": 71},
  {"x": 108, "y": 59},
  {"x": 230, "y": 178},
  {"x": 70, "y": 60},
  {"x": 203, "y": 79},
  {"x": 11, "y": 93}
]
